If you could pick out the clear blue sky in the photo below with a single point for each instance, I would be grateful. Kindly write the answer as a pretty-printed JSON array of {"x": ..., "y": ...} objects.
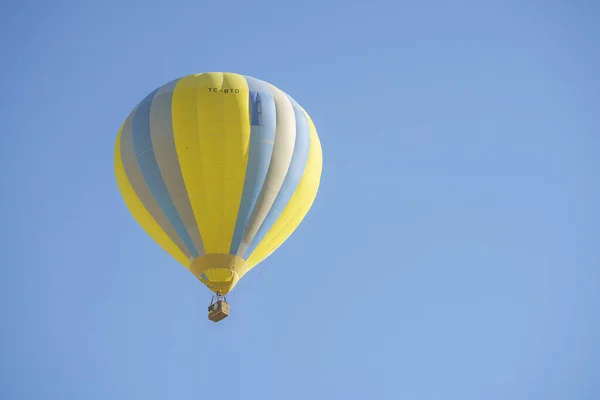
[{"x": 456, "y": 230}]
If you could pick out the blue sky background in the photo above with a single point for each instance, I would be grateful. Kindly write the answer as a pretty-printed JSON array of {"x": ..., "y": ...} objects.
[{"x": 453, "y": 250}]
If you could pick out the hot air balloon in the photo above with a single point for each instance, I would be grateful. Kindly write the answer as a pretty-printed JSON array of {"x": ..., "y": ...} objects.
[{"x": 219, "y": 169}]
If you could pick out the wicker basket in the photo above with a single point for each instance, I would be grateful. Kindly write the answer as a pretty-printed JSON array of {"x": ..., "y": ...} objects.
[{"x": 218, "y": 310}]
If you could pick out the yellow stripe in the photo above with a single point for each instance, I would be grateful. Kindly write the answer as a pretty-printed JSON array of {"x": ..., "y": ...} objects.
[
  {"x": 299, "y": 204},
  {"x": 139, "y": 212},
  {"x": 212, "y": 135}
]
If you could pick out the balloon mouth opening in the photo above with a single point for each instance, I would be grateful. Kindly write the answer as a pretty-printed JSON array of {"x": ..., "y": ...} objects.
[{"x": 219, "y": 272}]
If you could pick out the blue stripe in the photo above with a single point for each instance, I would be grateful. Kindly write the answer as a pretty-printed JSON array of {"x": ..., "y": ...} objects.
[
  {"x": 146, "y": 159},
  {"x": 292, "y": 178},
  {"x": 262, "y": 135}
]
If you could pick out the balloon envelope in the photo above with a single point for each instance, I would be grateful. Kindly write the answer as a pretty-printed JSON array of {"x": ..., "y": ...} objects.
[{"x": 219, "y": 169}]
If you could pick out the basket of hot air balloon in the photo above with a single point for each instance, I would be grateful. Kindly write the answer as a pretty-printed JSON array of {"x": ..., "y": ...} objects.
[
  {"x": 219, "y": 169},
  {"x": 218, "y": 309}
]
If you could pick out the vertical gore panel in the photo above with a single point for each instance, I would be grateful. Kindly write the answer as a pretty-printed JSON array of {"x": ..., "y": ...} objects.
[
  {"x": 140, "y": 213},
  {"x": 262, "y": 135},
  {"x": 161, "y": 132},
  {"x": 212, "y": 133},
  {"x": 237, "y": 147},
  {"x": 136, "y": 178},
  {"x": 144, "y": 153},
  {"x": 292, "y": 178},
  {"x": 283, "y": 148},
  {"x": 299, "y": 204}
]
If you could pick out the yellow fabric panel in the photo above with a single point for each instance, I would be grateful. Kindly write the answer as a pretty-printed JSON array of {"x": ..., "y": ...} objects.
[
  {"x": 212, "y": 135},
  {"x": 237, "y": 147},
  {"x": 139, "y": 212},
  {"x": 299, "y": 204}
]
